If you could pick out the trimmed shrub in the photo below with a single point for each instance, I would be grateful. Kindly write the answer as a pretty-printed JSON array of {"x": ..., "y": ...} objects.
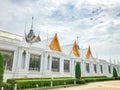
[
  {"x": 42, "y": 82},
  {"x": 77, "y": 71},
  {"x": 1, "y": 68},
  {"x": 12, "y": 83},
  {"x": 63, "y": 81},
  {"x": 28, "y": 83},
  {"x": 95, "y": 77},
  {"x": 32, "y": 83},
  {"x": 98, "y": 79},
  {"x": 90, "y": 79},
  {"x": 81, "y": 81},
  {"x": 118, "y": 77},
  {"x": 115, "y": 74},
  {"x": 6, "y": 86}
]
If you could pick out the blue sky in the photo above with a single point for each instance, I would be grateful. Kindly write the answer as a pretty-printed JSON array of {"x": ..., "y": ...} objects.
[{"x": 95, "y": 22}]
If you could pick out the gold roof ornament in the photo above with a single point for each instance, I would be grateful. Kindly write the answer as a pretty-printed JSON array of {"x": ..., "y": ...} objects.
[
  {"x": 89, "y": 54},
  {"x": 75, "y": 50},
  {"x": 54, "y": 44}
]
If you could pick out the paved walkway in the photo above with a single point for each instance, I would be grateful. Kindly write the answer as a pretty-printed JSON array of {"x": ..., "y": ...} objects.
[{"x": 107, "y": 85}]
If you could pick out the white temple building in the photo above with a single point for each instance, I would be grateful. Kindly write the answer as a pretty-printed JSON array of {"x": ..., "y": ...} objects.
[{"x": 47, "y": 58}]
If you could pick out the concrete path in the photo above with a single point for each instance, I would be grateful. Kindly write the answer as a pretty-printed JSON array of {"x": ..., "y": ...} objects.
[{"x": 106, "y": 85}]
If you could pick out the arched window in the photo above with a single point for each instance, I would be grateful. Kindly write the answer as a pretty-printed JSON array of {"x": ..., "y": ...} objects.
[
  {"x": 23, "y": 59},
  {"x": 48, "y": 62},
  {"x": 95, "y": 68},
  {"x": 87, "y": 67},
  {"x": 101, "y": 68},
  {"x": 109, "y": 68}
]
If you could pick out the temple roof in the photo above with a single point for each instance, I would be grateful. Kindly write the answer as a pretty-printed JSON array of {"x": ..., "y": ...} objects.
[
  {"x": 10, "y": 35},
  {"x": 54, "y": 45},
  {"x": 44, "y": 44},
  {"x": 67, "y": 49}
]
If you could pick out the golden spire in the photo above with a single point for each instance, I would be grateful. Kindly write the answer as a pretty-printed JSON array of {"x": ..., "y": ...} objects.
[
  {"x": 75, "y": 50},
  {"x": 89, "y": 54},
  {"x": 55, "y": 45}
]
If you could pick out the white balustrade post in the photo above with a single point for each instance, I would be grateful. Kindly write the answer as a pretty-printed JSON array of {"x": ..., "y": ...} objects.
[
  {"x": 15, "y": 87},
  {"x": 2, "y": 88}
]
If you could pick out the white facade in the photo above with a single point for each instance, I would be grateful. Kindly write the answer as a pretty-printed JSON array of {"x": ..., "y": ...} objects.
[{"x": 21, "y": 51}]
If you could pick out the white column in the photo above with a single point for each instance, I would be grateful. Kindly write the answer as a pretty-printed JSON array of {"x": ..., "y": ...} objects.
[
  {"x": 19, "y": 59},
  {"x": 72, "y": 68},
  {"x": 27, "y": 61},
  {"x": 15, "y": 61},
  {"x": 82, "y": 68},
  {"x": 92, "y": 72},
  {"x": 98, "y": 69},
  {"x": 106, "y": 72},
  {"x": 103, "y": 66},
  {"x": 61, "y": 66},
  {"x": 42, "y": 63}
]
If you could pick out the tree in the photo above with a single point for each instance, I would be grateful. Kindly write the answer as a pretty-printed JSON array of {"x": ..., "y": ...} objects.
[
  {"x": 1, "y": 67},
  {"x": 115, "y": 74},
  {"x": 77, "y": 71}
]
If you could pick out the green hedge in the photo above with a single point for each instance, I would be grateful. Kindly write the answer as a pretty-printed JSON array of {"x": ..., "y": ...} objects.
[
  {"x": 98, "y": 79},
  {"x": 6, "y": 86},
  {"x": 81, "y": 81},
  {"x": 63, "y": 81},
  {"x": 42, "y": 82},
  {"x": 117, "y": 78},
  {"x": 95, "y": 77},
  {"x": 31, "y": 83}
]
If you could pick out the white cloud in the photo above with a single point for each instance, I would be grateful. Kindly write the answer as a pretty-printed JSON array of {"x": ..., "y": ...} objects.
[{"x": 96, "y": 22}]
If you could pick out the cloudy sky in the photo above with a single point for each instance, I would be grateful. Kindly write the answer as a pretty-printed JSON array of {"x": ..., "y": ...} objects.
[{"x": 95, "y": 22}]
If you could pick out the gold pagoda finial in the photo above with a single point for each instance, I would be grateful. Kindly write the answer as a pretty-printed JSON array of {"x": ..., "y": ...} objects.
[
  {"x": 55, "y": 45},
  {"x": 75, "y": 49},
  {"x": 89, "y": 54}
]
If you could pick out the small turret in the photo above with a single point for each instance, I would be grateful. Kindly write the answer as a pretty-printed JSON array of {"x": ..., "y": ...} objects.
[{"x": 30, "y": 37}]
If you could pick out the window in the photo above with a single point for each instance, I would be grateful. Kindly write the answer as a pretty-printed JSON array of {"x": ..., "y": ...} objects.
[
  {"x": 87, "y": 67},
  {"x": 66, "y": 66},
  {"x": 35, "y": 61},
  {"x": 8, "y": 59},
  {"x": 95, "y": 68},
  {"x": 23, "y": 59},
  {"x": 48, "y": 62},
  {"x": 101, "y": 68},
  {"x": 109, "y": 69},
  {"x": 55, "y": 64}
]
